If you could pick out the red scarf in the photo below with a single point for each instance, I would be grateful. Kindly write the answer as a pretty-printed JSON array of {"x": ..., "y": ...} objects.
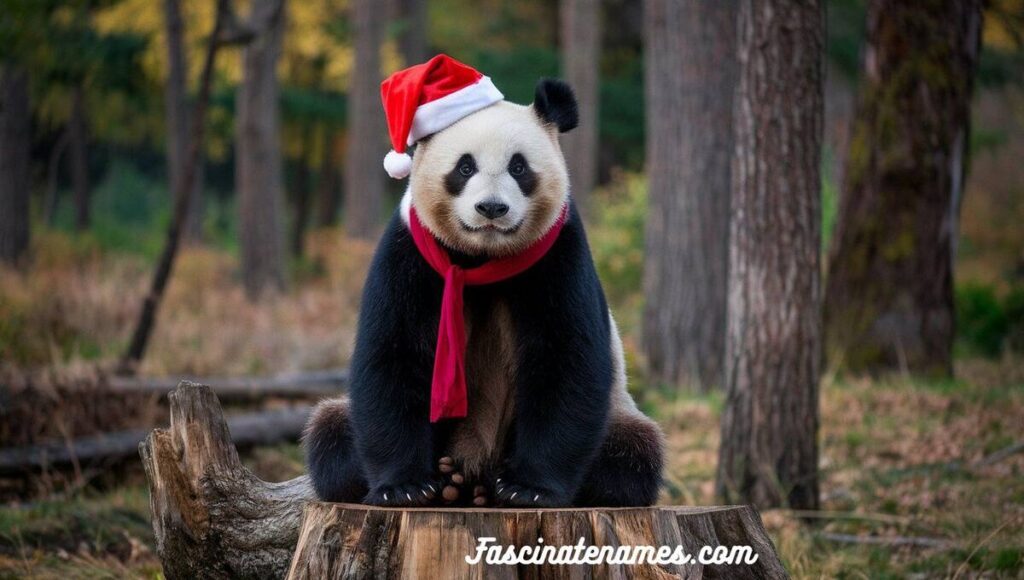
[{"x": 448, "y": 387}]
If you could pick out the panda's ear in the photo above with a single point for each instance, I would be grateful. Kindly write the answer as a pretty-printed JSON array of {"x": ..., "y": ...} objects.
[{"x": 555, "y": 103}]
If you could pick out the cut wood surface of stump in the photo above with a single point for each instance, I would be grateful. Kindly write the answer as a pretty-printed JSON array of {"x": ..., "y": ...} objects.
[{"x": 214, "y": 519}]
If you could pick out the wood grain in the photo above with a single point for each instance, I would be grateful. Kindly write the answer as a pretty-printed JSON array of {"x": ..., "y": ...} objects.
[{"x": 214, "y": 519}]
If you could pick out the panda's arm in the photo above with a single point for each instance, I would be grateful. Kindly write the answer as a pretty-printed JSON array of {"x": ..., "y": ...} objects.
[
  {"x": 564, "y": 377},
  {"x": 391, "y": 374}
]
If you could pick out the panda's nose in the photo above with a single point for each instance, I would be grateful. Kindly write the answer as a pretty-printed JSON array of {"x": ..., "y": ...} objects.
[{"x": 492, "y": 209}]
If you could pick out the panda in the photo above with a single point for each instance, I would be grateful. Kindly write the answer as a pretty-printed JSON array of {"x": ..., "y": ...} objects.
[{"x": 549, "y": 421}]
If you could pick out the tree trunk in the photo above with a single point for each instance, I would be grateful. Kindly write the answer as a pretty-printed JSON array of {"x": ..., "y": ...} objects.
[
  {"x": 15, "y": 156},
  {"x": 177, "y": 118},
  {"x": 162, "y": 274},
  {"x": 258, "y": 171},
  {"x": 327, "y": 194},
  {"x": 301, "y": 194},
  {"x": 581, "y": 57},
  {"x": 691, "y": 80},
  {"x": 79, "y": 135},
  {"x": 364, "y": 174},
  {"x": 412, "y": 40},
  {"x": 889, "y": 300},
  {"x": 52, "y": 197},
  {"x": 769, "y": 455},
  {"x": 214, "y": 519}
]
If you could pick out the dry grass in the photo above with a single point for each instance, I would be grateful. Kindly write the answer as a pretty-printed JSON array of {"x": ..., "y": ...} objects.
[
  {"x": 75, "y": 309},
  {"x": 895, "y": 454},
  {"x": 896, "y": 460}
]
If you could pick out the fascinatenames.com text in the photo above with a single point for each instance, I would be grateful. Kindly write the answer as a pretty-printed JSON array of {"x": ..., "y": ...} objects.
[{"x": 488, "y": 552}]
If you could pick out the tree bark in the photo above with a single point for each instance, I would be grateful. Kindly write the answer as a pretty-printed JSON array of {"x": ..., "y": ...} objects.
[
  {"x": 52, "y": 197},
  {"x": 889, "y": 300},
  {"x": 212, "y": 518},
  {"x": 258, "y": 170},
  {"x": 162, "y": 274},
  {"x": 177, "y": 118},
  {"x": 691, "y": 80},
  {"x": 364, "y": 174},
  {"x": 79, "y": 135},
  {"x": 15, "y": 156},
  {"x": 412, "y": 40},
  {"x": 327, "y": 194},
  {"x": 768, "y": 455},
  {"x": 581, "y": 57},
  {"x": 301, "y": 193}
]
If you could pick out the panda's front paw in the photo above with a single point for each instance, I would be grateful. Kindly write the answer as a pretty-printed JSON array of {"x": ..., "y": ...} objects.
[
  {"x": 509, "y": 493},
  {"x": 410, "y": 494}
]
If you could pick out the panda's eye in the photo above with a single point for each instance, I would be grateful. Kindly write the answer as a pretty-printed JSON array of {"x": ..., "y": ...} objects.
[
  {"x": 517, "y": 168},
  {"x": 466, "y": 169}
]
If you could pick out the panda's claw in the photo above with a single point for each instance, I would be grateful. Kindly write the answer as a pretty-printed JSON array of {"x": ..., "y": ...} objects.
[
  {"x": 409, "y": 494},
  {"x": 512, "y": 494}
]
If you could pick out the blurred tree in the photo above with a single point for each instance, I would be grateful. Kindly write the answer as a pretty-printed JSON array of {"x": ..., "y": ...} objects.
[
  {"x": 328, "y": 197},
  {"x": 222, "y": 34},
  {"x": 176, "y": 112},
  {"x": 364, "y": 176},
  {"x": 258, "y": 163},
  {"x": 769, "y": 452},
  {"x": 78, "y": 132},
  {"x": 15, "y": 147},
  {"x": 411, "y": 18},
  {"x": 691, "y": 79},
  {"x": 889, "y": 300},
  {"x": 581, "y": 54},
  {"x": 301, "y": 191}
]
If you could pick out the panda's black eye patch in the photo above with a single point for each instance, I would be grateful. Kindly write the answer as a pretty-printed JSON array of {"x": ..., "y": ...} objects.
[
  {"x": 456, "y": 179},
  {"x": 520, "y": 170}
]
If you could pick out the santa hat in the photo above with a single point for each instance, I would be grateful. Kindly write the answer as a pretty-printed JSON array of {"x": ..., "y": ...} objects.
[{"x": 426, "y": 98}]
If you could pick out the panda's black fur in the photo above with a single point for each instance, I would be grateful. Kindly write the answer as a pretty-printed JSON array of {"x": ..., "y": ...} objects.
[{"x": 562, "y": 447}]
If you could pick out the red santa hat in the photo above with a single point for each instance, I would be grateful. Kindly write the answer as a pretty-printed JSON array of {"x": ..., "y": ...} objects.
[{"x": 426, "y": 98}]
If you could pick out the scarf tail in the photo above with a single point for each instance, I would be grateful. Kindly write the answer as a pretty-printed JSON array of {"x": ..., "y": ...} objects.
[{"x": 448, "y": 398}]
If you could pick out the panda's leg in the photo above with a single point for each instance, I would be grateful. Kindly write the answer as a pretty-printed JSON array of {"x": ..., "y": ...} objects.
[
  {"x": 330, "y": 454},
  {"x": 627, "y": 470}
]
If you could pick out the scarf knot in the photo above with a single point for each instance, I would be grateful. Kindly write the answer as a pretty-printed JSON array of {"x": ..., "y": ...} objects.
[{"x": 448, "y": 384}]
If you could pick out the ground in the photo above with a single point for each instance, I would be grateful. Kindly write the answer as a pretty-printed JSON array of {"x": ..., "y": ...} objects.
[{"x": 896, "y": 461}]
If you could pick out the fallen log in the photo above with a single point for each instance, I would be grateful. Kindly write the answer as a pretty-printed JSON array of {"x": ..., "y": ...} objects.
[
  {"x": 214, "y": 519},
  {"x": 291, "y": 385},
  {"x": 258, "y": 428}
]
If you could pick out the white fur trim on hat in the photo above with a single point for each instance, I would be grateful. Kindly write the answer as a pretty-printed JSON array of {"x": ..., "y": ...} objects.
[
  {"x": 398, "y": 165},
  {"x": 442, "y": 113}
]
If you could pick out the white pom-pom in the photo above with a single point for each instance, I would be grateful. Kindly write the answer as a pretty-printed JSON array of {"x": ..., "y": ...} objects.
[{"x": 398, "y": 165}]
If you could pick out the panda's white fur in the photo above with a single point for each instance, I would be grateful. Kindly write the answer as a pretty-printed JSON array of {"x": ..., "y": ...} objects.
[{"x": 492, "y": 136}]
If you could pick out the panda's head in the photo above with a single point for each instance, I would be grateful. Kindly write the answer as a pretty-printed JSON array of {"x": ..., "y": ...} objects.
[{"x": 495, "y": 181}]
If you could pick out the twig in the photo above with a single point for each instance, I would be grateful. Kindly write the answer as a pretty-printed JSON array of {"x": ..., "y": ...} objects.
[
  {"x": 984, "y": 541},
  {"x": 938, "y": 543},
  {"x": 1004, "y": 453},
  {"x": 835, "y": 515}
]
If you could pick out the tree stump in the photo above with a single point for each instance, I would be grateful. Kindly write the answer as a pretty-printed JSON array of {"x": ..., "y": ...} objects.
[
  {"x": 357, "y": 541},
  {"x": 215, "y": 519},
  {"x": 211, "y": 516}
]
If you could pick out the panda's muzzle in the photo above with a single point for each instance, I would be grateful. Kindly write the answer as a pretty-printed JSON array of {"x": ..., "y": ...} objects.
[{"x": 492, "y": 209}]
